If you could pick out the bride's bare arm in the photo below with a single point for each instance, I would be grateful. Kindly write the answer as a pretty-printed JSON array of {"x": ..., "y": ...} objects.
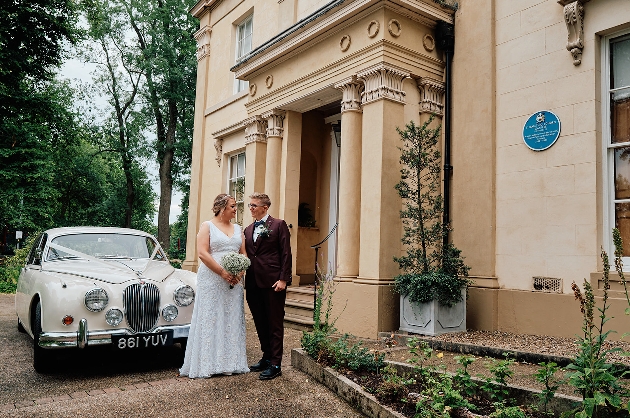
[{"x": 203, "y": 252}]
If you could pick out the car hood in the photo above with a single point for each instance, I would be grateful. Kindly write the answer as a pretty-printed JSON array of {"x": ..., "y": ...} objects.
[{"x": 112, "y": 271}]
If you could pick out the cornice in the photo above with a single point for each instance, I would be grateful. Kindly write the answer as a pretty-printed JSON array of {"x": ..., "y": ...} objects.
[
  {"x": 304, "y": 34},
  {"x": 229, "y": 130},
  {"x": 383, "y": 49},
  {"x": 226, "y": 102}
]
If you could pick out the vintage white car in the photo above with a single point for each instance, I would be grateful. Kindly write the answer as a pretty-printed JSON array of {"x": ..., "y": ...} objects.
[{"x": 89, "y": 286}]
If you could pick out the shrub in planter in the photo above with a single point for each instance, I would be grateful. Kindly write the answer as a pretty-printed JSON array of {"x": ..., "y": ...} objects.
[{"x": 433, "y": 269}]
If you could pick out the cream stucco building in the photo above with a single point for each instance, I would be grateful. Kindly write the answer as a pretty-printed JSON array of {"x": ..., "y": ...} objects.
[{"x": 276, "y": 79}]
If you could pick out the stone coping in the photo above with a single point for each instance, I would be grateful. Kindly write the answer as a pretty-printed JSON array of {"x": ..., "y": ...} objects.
[{"x": 367, "y": 404}]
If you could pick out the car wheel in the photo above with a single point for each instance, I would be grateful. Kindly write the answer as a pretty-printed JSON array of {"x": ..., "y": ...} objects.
[
  {"x": 20, "y": 327},
  {"x": 42, "y": 358}
]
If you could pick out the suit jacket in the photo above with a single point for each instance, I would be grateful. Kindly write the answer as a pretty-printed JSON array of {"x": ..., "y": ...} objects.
[{"x": 270, "y": 256}]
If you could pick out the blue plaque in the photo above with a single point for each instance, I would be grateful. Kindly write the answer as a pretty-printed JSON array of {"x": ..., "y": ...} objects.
[{"x": 541, "y": 130}]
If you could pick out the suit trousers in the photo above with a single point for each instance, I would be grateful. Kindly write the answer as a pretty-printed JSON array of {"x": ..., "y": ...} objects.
[{"x": 267, "y": 308}]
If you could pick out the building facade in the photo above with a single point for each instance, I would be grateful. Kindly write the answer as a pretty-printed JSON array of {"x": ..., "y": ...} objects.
[{"x": 301, "y": 99}]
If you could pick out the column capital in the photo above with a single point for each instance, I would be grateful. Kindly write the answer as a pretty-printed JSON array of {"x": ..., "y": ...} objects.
[
  {"x": 351, "y": 89},
  {"x": 431, "y": 95},
  {"x": 275, "y": 121},
  {"x": 202, "y": 36},
  {"x": 383, "y": 81},
  {"x": 255, "y": 128}
]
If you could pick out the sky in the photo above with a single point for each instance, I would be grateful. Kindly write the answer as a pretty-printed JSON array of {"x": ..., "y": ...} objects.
[{"x": 76, "y": 70}]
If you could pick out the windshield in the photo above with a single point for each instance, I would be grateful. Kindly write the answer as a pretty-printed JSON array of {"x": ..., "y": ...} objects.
[{"x": 104, "y": 245}]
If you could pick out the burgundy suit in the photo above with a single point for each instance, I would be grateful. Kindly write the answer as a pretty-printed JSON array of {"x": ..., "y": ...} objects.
[{"x": 271, "y": 261}]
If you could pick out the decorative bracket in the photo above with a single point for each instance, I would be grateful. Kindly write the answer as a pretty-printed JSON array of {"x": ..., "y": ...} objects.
[
  {"x": 202, "y": 36},
  {"x": 255, "y": 129},
  {"x": 431, "y": 96},
  {"x": 574, "y": 19},
  {"x": 218, "y": 146}
]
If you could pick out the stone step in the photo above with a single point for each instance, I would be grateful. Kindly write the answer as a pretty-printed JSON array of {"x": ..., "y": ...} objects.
[
  {"x": 302, "y": 293},
  {"x": 298, "y": 303},
  {"x": 298, "y": 319}
]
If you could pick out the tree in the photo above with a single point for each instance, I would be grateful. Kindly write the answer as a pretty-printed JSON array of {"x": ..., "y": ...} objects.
[{"x": 166, "y": 56}]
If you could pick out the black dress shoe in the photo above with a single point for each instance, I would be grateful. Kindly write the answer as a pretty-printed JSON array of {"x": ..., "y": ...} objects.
[
  {"x": 271, "y": 373},
  {"x": 260, "y": 366}
]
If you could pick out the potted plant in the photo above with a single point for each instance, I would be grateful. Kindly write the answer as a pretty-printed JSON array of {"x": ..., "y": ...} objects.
[{"x": 434, "y": 278}]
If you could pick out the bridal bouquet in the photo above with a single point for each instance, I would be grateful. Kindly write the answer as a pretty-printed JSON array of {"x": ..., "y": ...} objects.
[{"x": 234, "y": 264}]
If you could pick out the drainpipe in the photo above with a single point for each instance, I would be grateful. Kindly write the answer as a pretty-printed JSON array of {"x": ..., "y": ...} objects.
[{"x": 445, "y": 39}]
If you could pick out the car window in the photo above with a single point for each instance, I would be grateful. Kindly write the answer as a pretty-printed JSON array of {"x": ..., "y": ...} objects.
[
  {"x": 103, "y": 245},
  {"x": 38, "y": 244}
]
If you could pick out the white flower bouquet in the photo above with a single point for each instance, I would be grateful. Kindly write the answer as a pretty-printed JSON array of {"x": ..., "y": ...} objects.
[{"x": 235, "y": 263}]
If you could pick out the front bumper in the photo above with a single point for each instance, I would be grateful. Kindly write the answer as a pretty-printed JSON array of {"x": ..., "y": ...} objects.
[{"x": 84, "y": 337}]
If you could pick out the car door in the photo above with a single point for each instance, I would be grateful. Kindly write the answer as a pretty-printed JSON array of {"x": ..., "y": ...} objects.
[{"x": 27, "y": 279}]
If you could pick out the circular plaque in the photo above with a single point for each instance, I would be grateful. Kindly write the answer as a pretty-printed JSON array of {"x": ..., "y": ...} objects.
[{"x": 541, "y": 130}]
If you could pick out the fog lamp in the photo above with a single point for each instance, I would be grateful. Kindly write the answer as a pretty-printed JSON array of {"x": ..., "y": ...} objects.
[
  {"x": 113, "y": 317},
  {"x": 169, "y": 313}
]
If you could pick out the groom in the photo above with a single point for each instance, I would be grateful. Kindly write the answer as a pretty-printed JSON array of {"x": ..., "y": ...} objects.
[{"x": 268, "y": 246}]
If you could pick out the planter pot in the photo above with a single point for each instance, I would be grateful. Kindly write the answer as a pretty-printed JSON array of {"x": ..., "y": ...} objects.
[{"x": 432, "y": 318}]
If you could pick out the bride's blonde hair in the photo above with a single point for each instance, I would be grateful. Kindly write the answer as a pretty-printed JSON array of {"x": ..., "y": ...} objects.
[{"x": 220, "y": 202}]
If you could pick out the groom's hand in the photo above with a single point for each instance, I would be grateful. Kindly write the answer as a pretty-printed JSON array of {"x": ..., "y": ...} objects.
[{"x": 279, "y": 286}]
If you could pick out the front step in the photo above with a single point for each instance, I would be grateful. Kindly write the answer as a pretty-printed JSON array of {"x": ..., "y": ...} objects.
[{"x": 298, "y": 307}]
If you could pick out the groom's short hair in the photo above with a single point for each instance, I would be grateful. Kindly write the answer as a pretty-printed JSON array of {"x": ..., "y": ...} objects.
[{"x": 263, "y": 198}]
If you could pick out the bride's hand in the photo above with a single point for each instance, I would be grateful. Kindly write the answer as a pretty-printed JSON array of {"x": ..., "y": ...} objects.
[{"x": 226, "y": 276}]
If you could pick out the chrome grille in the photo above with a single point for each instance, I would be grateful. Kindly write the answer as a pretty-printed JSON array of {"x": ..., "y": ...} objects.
[{"x": 142, "y": 306}]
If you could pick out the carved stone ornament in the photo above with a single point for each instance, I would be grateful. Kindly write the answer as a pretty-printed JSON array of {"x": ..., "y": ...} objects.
[
  {"x": 382, "y": 81},
  {"x": 574, "y": 19},
  {"x": 345, "y": 42},
  {"x": 218, "y": 146},
  {"x": 373, "y": 28},
  {"x": 351, "y": 90},
  {"x": 431, "y": 96},
  {"x": 202, "y": 36},
  {"x": 252, "y": 89},
  {"x": 275, "y": 120},
  {"x": 428, "y": 42},
  {"x": 394, "y": 28},
  {"x": 269, "y": 81},
  {"x": 255, "y": 129}
]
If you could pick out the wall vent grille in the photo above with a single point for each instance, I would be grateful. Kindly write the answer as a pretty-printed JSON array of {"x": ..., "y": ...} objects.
[{"x": 547, "y": 284}]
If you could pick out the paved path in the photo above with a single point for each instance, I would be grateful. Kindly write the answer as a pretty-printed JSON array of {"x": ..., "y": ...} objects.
[{"x": 100, "y": 382}]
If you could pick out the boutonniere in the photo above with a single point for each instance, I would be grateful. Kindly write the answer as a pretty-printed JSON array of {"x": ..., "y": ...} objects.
[{"x": 264, "y": 231}]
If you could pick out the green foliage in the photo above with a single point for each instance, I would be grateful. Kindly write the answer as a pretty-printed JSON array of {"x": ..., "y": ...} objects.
[
  {"x": 502, "y": 411},
  {"x": 496, "y": 386},
  {"x": 545, "y": 375},
  {"x": 393, "y": 387},
  {"x": 431, "y": 271},
  {"x": 305, "y": 215},
  {"x": 439, "y": 397},
  {"x": 462, "y": 380},
  {"x": 340, "y": 353},
  {"x": 10, "y": 267},
  {"x": 594, "y": 379}
]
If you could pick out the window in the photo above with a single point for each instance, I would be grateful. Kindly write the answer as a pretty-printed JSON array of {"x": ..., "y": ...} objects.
[
  {"x": 236, "y": 186},
  {"x": 243, "y": 47},
  {"x": 616, "y": 58}
]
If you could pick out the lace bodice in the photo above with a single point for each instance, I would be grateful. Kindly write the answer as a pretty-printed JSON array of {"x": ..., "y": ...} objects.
[{"x": 221, "y": 244}]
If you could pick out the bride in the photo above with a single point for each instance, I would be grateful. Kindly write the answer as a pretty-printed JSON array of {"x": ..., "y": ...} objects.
[{"x": 216, "y": 342}]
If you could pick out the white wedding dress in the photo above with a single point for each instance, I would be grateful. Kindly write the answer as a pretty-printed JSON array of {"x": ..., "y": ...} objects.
[{"x": 216, "y": 342}]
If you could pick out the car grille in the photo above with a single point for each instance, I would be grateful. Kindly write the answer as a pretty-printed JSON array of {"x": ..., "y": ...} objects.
[{"x": 142, "y": 306}]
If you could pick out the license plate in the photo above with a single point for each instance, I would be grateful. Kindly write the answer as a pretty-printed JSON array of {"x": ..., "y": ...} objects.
[{"x": 131, "y": 342}]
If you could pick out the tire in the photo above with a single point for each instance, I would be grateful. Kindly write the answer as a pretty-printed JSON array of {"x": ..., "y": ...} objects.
[
  {"x": 43, "y": 360},
  {"x": 20, "y": 327}
]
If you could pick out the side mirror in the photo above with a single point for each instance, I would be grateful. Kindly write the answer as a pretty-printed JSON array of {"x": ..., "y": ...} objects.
[{"x": 38, "y": 257}]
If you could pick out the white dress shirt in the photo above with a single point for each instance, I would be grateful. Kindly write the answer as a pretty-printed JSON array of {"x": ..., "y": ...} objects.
[{"x": 259, "y": 227}]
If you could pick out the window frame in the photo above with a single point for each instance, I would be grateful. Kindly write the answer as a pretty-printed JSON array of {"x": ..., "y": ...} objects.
[
  {"x": 240, "y": 204},
  {"x": 240, "y": 85},
  {"x": 609, "y": 147}
]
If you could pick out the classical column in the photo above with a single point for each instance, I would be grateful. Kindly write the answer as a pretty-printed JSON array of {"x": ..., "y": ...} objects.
[
  {"x": 197, "y": 170},
  {"x": 383, "y": 111},
  {"x": 349, "y": 180},
  {"x": 275, "y": 129},
  {"x": 255, "y": 155}
]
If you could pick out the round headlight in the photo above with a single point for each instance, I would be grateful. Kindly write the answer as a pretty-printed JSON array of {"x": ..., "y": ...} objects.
[
  {"x": 96, "y": 300},
  {"x": 114, "y": 317},
  {"x": 169, "y": 313},
  {"x": 184, "y": 295}
]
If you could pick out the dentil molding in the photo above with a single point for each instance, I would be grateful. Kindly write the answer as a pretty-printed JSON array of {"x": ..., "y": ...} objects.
[
  {"x": 382, "y": 81},
  {"x": 574, "y": 19},
  {"x": 351, "y": 90},
  {"x": 431, "y": 96},
  {"x": 255, "y": 129}
]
